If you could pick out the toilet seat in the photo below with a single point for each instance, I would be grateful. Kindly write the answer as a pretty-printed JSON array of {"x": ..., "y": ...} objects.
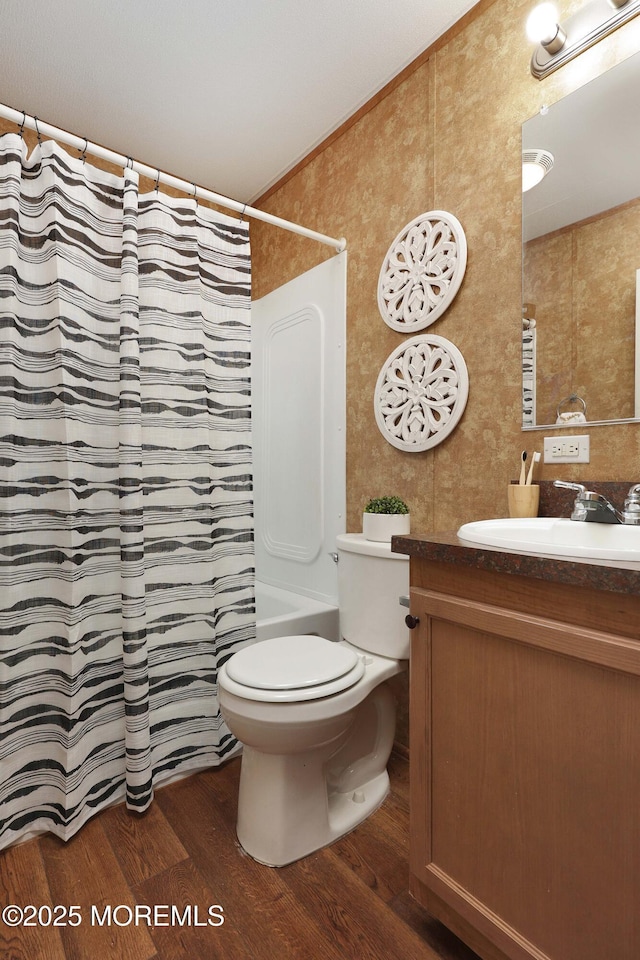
[
  {"x": 290, "y": 669},
  {"x": 284, "y": 663}
]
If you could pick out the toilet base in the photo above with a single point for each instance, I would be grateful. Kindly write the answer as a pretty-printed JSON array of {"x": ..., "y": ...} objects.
[
  {"x": 292, "y": 804},
  {"x": 310, "y": 829}
]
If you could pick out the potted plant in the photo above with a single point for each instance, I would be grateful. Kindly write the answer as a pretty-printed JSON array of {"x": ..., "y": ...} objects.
[{"x": 385, "y": 517}]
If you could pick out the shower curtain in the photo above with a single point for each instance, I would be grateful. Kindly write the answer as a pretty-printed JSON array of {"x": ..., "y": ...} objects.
[{"x": 126, "y": 527}]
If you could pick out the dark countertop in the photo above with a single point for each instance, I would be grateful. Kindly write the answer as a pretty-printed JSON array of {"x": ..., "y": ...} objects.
[{"x": 615, "y": 577}]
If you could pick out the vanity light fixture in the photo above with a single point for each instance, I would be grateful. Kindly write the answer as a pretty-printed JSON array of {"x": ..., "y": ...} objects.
[
  {"x": 536, "y": 164},
  {"x": 560, "y": 43}
]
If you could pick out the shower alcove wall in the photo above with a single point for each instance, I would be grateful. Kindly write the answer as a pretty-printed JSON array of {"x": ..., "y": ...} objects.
[{"x": 298, "y": 415}]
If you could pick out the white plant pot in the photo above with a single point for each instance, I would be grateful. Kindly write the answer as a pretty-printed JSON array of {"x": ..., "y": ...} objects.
[{"x": 383, "y": 526}]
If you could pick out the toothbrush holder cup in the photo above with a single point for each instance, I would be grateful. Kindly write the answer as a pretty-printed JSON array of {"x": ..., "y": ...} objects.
[{"x": 523, "y": 499}]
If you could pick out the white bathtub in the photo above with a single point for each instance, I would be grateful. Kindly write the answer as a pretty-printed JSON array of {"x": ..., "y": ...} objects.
[{"x": 281, "y": 613}]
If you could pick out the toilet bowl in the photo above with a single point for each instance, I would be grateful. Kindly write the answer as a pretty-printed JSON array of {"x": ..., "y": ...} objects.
[{"x": 317, "y": 718}]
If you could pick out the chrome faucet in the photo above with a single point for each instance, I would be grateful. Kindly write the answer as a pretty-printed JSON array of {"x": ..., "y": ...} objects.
[{"x": 593, "y": 507}]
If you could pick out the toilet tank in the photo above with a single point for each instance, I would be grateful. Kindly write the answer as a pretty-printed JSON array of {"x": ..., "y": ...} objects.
[{"x": 371, "y": 579}]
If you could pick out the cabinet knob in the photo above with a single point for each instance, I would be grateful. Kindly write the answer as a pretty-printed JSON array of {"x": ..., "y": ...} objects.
[{"x": 411, "y": 622}]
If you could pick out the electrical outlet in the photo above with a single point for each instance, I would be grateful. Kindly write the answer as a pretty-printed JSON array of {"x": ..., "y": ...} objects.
[{"x": 566, "y": 449}]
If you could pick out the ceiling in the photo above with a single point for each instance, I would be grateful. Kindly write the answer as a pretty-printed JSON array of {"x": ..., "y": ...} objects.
[{"x": 228, "y": 94}]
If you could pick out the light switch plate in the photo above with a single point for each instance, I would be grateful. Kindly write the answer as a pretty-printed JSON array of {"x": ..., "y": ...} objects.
[{"x": 563, "y": 449}]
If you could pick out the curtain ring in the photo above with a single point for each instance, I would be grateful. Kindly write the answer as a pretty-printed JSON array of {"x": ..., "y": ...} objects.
[
  {"x": 24, "y": 120},
  {"x": 129, "y": 164},
  {"x": 83, "y": 155},
  {"x": 242, "y": 214},
  {"x": 195, "y": 192},
  {"x": 37, "y": 131},
  {"x": 157, "y": 180}
]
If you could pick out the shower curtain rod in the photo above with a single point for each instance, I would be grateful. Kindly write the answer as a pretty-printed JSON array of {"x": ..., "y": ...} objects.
[{"x": 21, "y": 119}]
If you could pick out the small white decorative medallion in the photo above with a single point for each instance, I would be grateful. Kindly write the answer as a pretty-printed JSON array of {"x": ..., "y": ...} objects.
[
  {"x": 421, "y": 393},
  {"x": 422, "y": 271}
]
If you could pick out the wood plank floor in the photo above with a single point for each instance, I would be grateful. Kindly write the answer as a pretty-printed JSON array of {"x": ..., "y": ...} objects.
[{"x": 347, "y": 902}]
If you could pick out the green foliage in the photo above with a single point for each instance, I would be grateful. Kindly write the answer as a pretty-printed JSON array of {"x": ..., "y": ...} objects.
[{"x": 386, "y": 505}]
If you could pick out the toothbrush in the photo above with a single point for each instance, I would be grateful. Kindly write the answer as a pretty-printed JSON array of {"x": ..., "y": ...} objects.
[
  {"x": 536, "y": 458},
  {"x": 522, "y": 468}
]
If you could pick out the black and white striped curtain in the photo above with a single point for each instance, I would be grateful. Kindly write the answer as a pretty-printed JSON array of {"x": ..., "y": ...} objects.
[{"x": 126, "y": 532}]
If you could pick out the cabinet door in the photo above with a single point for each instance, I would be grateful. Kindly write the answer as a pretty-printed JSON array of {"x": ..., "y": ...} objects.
[{"x": 525, "y": 785}]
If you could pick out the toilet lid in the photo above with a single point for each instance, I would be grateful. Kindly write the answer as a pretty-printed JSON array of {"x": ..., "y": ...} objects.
[{"x": 289, "y": 663}]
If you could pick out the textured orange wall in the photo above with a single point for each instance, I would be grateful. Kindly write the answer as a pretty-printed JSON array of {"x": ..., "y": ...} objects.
[{"x": 447, "y": 138}]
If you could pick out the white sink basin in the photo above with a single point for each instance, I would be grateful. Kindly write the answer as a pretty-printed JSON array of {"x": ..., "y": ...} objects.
[{"x": 550, "y": 536}]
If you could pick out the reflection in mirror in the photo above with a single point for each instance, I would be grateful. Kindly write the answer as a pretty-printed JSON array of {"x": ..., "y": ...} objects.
[{"x": 581, "y": 255}]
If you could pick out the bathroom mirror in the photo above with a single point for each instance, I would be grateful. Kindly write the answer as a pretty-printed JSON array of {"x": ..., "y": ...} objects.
[{"x": 581, "y": 257}]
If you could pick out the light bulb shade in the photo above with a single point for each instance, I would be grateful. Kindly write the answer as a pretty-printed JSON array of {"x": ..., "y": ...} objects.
[
  {"x": 542, "y": 23},
  {"x": 536, "y": 164}
]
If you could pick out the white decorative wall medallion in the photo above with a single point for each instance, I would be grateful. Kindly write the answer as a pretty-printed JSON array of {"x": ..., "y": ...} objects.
[
  {"x": 422, "y": 271},
  {"x": 421, "y": 393}
]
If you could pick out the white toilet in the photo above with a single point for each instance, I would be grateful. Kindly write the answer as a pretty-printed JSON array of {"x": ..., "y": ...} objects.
[{"x": 316, "y": 717}]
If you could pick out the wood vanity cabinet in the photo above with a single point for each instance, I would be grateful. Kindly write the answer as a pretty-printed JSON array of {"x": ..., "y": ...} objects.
[{"x": 525, "y": 763}]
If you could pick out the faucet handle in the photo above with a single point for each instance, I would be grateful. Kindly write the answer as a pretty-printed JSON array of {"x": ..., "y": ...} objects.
[
  {"x": 579, "y": 510},
  {"x": 582, "y": 492},
  {"x": 631, "y": 509},
  {"x": 578, "y": 487},
  {"x": 634, "y": 494}
]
